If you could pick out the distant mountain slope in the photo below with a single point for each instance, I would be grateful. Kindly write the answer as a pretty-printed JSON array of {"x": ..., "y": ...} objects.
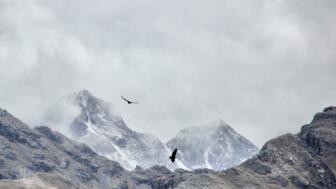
[
  {"x": 215, "y": 146},
  {"x": 92, "y": 121}
]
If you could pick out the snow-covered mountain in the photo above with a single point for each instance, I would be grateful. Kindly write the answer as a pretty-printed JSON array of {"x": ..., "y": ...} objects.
[
  {"x": 92, "y": 121},
  {"x": 215, "y": 146}
]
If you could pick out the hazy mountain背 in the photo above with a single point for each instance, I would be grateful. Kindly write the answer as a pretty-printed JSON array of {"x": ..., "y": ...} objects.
[
  {"x": 40, "y": 158},
  {"x": 90, "y": 120}
]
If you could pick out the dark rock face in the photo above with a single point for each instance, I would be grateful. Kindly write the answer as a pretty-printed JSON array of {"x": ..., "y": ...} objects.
[
  {"x": 46, "y": 131},
  {"x": 257, "y": 167},
  {"x": 40, "y": 167},
  {"x": 320, "y": 137}
]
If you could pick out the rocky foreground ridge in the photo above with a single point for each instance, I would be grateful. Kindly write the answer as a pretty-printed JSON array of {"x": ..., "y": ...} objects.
[{"x": 40, "y": 158}]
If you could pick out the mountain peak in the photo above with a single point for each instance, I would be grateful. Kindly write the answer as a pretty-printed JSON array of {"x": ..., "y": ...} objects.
[
  {"x": 84, "y": 93},
  {"x": 328, "y": 113},
  {"x": 209, "y": 127},
  {"x": 218, "y": 123},
  {"x": 330, "y": 108},
  {"x": 3, "y": 112},
  {"x": 82, "y": 97},
  {"x": 214, "y": 145}
]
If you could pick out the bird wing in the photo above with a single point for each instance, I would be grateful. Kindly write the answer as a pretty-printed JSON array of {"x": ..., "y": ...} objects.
[
  {"x": 125, "y": 99},
  {"x": 174, "y": 152}
]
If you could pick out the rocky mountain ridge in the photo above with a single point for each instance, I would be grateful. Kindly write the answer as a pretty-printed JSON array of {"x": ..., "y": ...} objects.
[{"x": 43, "y": 157}]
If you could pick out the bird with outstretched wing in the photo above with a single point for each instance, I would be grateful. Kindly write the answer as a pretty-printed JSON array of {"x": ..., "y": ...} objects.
[
  {"x": 128, "y": 101},
  {"x": 173, "y": 156}
]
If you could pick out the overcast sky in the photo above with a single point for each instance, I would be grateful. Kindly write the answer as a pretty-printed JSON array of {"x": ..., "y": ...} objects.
[{"x": 264, "y": 67}]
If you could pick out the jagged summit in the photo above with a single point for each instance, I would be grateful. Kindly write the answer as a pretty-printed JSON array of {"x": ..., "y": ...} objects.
[
  {"x": 82, "y": 97},
  {"x": 84, "y": 92},
  {"x": 330, "y": 108},
  {"x": 94, "y": 109},
  {"x": 86, "y": 100},
  {"x": 328, "y": 113},
  {"x": 217, "y": 123},
  {"x": 3, "y": 112}
]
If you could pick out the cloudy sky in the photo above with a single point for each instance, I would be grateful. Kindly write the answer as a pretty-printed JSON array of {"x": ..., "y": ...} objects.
[{"x": 264, "y": 67}]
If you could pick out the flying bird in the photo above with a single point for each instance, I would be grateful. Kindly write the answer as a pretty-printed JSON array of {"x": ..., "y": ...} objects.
[
  {"x": 173, "y": 156},
  {"x": 128, "y": 101}
]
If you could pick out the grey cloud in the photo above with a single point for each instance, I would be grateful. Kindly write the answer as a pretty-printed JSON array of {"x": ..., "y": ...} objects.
[{"x": 263, "y": 66}]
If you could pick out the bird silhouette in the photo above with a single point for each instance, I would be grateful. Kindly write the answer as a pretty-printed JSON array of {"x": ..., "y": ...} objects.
[
  {"x": 173, "y": 156},
  {"x": 128, "y": 101}
]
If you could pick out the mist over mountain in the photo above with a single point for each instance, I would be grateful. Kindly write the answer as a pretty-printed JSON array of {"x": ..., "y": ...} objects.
[
  {"x": 99, "y": 126},
  {"x": 95, "y": 122}
]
